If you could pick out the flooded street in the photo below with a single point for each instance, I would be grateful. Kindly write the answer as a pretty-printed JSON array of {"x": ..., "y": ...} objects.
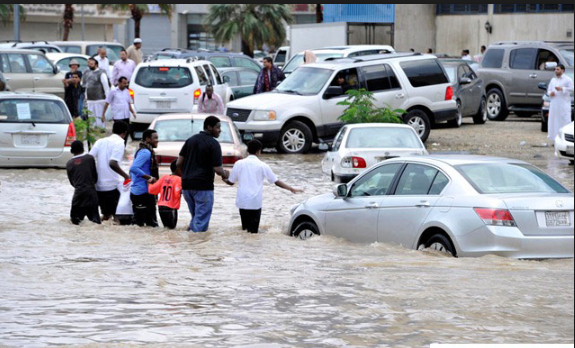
[{"x": 100, "y": 286}]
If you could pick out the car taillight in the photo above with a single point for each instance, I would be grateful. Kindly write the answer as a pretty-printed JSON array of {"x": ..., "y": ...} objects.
[
  {"x": 496, "y": 217},
  {"x": 71, "y": 136},
  {"x": 131, "y": 91},
  {"x": 166, "y": 159},
  {"x": 197, "y": 94},
  {"x": 230, "y": 160},
  {"x": 354, "y": 162},
  {"x": 449, "y": 93}
]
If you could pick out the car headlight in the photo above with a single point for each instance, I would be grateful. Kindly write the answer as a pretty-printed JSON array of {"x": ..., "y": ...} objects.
[
  {"x": 265, "y": 115},
  {"x": 546, "y": 104}
]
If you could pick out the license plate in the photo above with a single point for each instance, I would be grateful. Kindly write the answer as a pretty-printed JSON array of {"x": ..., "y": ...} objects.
[
  {"x": 557, "y": 218},
  {"x": 163, "y": 105},
  {"x": 27, "y": 139},
  {"x": 570, "y": 150}
]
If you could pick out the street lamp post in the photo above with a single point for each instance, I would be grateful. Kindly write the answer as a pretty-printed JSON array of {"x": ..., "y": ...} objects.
[{"x": 16, "y": 22}]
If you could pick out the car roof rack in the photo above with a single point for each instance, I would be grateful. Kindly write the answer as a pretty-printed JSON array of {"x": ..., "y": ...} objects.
[
  {"x": 192, "y": 59},
  {"x": 372, "y": 57},
  {"x": 173, "y": 49}
]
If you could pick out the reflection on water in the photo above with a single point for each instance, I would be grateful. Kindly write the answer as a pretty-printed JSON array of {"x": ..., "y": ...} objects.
[{"x": 94, "y": 285}]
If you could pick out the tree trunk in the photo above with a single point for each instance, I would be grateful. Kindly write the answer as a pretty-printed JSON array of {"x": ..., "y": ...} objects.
[
  {"x": 137, "y": 17},
  {"x": 318, "y": 13},
  {"x": 68, "y": 21},
  {"x": 246, "y": 48}
]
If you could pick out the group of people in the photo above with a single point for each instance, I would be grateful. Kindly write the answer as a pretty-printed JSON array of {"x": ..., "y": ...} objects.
[{"x": 96, "y": 178}]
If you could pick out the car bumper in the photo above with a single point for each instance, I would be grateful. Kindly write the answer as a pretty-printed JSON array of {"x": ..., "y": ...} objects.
[
  {"x": 510, "y": 242},
  {"x": 445, "y": 115},
  {"x": 563, "y": 148},
  {"x": 36, "y": 162},
  {"x": 266, "y": 137}
]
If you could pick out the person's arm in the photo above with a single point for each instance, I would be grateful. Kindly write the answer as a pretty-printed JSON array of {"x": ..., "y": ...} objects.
[
  {"x": 285, "y": 186},
  {"x": 217, "y": 161},
  {"x": 180, "y": 165},
  {"x": 569, "y": 88},
  {"x": 220, "y": 110},
  {"x": 115, "y": 160},
  {"x": 156, "y": 188},
  {"x": 94, "y": 170},
  {"x": 139, "y": 162},
  {"x": 551, "y": 88},
  {"x": 132, "y": 110},
  {"x": 116, "y": 167},
  {"x": 281, "y": 75},
  {"x": 115, "y": 75},
  {"x": 104, "y": 112},
  {"x": 233, "y": 176},
  {"x": 200, "y": 104},
  {"x": 69, "y": 172},
  {"x": 105, "y": 83},
  {"x": 222, "y": 172}
]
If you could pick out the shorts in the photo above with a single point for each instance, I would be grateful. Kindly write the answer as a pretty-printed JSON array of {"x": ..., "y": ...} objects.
[
  {"x": 77, "y": 214},
  {"x": 108, "y": 201}
]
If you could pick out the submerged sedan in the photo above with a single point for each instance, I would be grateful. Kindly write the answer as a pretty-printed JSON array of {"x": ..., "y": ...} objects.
[{"x": 462, "y": 205}]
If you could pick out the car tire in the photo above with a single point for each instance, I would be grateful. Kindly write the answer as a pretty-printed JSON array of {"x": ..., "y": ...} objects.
[
  {"x": 305, "y": 230},
  {"x": 419, "y": 120},
  {"x": 295, "y": 138},
  {"x": 524, "y": 114},
  {"x": 458, "y": 121},
  {"x": 481, "y": 116},
  {"x": 496, "y": 108},
  {"x": 439, "y": 242}
]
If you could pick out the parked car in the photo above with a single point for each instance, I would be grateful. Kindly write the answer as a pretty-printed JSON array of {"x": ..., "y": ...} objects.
[
  {"x": 462, "y": 205},
  {"x": 546, "y": 102},
  {"x": 240, "y": 80},
  {"x": 42, "y": 46},
  {"x": 90, "y": 48},
  {"x": 219, "y": 59},
  {"x": 337, "y": 52},
  {"x": 564, "y": 143},
  {"x": 29, "y": 71},
  {"x": 304, "y": 108},
  {"x": 3, "y": 84},
  {"x": 174, "y": 129},
  {"x": 468, "y": 90},
  {"x": 281, "y": 56},
  {"x": 358, "y": 147},
  {"x": 36, "y": 130},
  {"x": 171, "y": 86},
  {"x": 512, "y": 72},
  {"x": 62, "y": 60}
]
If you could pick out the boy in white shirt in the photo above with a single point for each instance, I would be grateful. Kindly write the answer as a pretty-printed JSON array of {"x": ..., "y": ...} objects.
[{"x": 250, "y": 174}]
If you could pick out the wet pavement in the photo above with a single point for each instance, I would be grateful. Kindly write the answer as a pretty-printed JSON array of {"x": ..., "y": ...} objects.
[{"x": 100, "y": 286}]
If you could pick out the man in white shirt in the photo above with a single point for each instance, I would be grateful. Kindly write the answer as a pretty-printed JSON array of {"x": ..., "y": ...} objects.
[
  {"x": 250, "y": 174},
  {"x": 103, "y": 61},
  {"x": 465, "y": 55},
  {"x": 108, "y": 153},
  {"x": 559, "y": 90}
]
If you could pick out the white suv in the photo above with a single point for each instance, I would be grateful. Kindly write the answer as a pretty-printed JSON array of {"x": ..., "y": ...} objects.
[
  {"x": 171, "y": 86},
  {"x": 303, "y": 108}
]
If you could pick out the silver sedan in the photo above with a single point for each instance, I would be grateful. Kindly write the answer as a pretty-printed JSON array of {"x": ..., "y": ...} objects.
[{"x": 462, "y": 205}]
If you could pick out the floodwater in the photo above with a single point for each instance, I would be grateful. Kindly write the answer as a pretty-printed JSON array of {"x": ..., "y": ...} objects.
[{"x": 96, "y": 286}]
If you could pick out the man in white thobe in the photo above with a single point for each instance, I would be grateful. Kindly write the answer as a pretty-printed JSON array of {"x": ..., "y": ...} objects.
[
  {"x": 97, "y": 88},
  {"x": 559, "y": 90},
  {"x": 103, "y": 61}
]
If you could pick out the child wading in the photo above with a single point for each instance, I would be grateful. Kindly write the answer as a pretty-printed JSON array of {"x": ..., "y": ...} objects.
[
  {"x": 83, "y": 176},
  {"x": 169, "y": 187}
]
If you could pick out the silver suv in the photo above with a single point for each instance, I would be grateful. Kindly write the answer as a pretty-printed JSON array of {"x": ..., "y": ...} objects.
[{"x": 512, "y": 72}]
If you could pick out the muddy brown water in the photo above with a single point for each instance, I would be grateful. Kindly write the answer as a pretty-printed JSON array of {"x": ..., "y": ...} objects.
[{"x": 100, "y": 286}]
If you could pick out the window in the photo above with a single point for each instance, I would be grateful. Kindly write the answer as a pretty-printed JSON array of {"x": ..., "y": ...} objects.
[
  {"x": 339, "y": 139},
  {"x": 493, "y": 58},
  {"x": 64, "y": 64},
  {"x": 201, "y": 75},
  {"x": 383, "y": 137},
  {"x": 233, "y": 76},
  {"x": 71, "y": 49},
  {"x": 280, "y": 57},
  {"x": 532, "y": 8},
  {"x": 415, "y": 180},
  {"x": 248, "y": 77},
  {"x": 210, "y": 76},
  {"x": 112, "y": 51},
  {"x": 568, "y": 56},
  {"x": 216, "y": 75},
  {"x": 469, "y": 72},
  {"x": 164, "y": 77},
  {"x": 439, "y": 184},
  {"x": 221, "y": 62},
  {"x": 522, "y": 58},
  {"x": 37, "y": 111},
  {"x": 461, "y": 8},
  {"x": 347, "y": 79},
  {"x": 16, "y": 63},
  {"x": 393, "y": 81},
  {"x": 421, "y": 73},
  {"x": 305, "y": 81},
  {"x": 544, "y": 56},
  {"x": 4, "y": 65},
  {"x": 181, "y": 130},
  {"x": 377, "y": 77},
  {"x": 377, "y": 182},
  {"x": 39, "y": 64},
  {"x": 247, "y": 63}
]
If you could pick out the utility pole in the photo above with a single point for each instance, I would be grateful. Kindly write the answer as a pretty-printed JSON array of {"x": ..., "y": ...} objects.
[
  {"x": 16, "y": 22},
  {"x": 82, "y": 9}
]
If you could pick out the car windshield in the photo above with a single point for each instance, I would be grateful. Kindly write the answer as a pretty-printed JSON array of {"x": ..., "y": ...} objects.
[
  {"x": 296, "y": 61},
  {"x": 305, "y": 81},
  {"x": 451, "y": 72},
  {"x": 164, "y": 77},
  {"x": 568, "y": 55},
  {"x": 181, "y": 130},
  {"x": 33, "y": 111},
  {"x": 493, "y": 178},
  {"x": 383, "y": 137}
]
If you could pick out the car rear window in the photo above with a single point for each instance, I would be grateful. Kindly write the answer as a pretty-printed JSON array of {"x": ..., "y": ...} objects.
[
  {"x": 164, "y": 77},
  {"x": 380, "y": 137},
  {"x": 71, "y": 49},
  {"x": 421, "y": 73},
  {"x": 33, "y": 111},
  {"x": 493, "y": 178},
  {"x": 493, "y": 58},
  {"x": 181, "y": 130}
]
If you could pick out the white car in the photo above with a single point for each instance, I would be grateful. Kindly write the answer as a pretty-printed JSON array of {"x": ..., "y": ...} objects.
[
  {"x": 361, "y": 146},
  {"x": 62, "y": 60},
  {"x": 171, "y": 86},
  {"x": 564, "y": 143},
  {"x": 36, "y": 130}
]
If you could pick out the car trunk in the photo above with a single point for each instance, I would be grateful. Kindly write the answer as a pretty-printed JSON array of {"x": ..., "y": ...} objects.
[
  {"x": 375, "y": 156},
  {"x": 27, "y": 140},
  {"x": 164, "y": 100}
]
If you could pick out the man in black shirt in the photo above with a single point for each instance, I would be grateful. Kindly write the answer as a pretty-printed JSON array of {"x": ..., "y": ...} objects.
[
  {"x": 68, "y": 79},
  {"x": 200, "y": 159},
  {"x": 83, "y": 176},
  {"x": 73, "y": 94}
]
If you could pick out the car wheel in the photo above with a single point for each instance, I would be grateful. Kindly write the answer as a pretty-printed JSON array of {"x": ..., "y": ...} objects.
[
  {"x": 419, "y": 120},
  {"x": 306, "y": 230},
  {"x": 439, "y": 242},
  {"x": 459, "y": 119},
  {"x": 496, "y": 108},
  {"x": 295, "y": 138},
  {"x": 523, "y": 114},
  {"x": 481, "y": 116},
  {"x": 571, "y": 162}
]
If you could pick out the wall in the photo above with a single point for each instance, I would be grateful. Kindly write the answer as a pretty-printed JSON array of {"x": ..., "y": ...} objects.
[
  {"x": 414, "y": 27},
  {"x": 38, "y": 31}
]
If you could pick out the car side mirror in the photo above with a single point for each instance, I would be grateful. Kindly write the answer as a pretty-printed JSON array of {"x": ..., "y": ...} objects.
[
  {"x": 247, "y": 137},
  {"x": 465, "y": 81},
  {"x": 340, "y": 191},
  {"x": 542, "y": 85},
  {"x": 333, "y": 91},
  {"x": 550, "y": 65},
  {"x": 56, "y": 69},
  {"x": 227, "y": 79},
  {"x": 324, "y": 147}
]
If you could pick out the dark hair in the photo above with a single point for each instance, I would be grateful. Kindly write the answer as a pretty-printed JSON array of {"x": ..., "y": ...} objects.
[
  {"x": 430, "y": 50},
  {"x": 483, "y": 47},
  {"x": 148, "y": 134},
  {"x": 561, "y": 66},
  {"x": 123, "y": 51},
  {"x": 174, "y": 166},
  {"x": 77, "y": 147},
  {"x": 93, "y": 59},
  {"x": 211, "y": 121},
  {"x": 254, "y": 146},
  {"x": 122, "y": 78},
  {"x": 269, "y": 60},
  {"x": 120, "y": 128},
  {"x": 75, "y": 74}
]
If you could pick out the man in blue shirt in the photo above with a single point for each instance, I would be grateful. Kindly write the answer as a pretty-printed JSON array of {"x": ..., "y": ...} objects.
[{"x": 144, "y": 170}]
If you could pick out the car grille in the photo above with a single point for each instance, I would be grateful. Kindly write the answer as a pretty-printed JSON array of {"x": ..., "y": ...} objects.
[
  {"x": 569, "y": 137},
  {"x": 238, "y": 115}
]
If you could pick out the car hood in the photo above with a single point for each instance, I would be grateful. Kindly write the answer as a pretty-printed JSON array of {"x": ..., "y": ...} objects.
[
  {"x": 268, "y": 101},
  {"x": 568, "y": 129},
  {"x": 319, "y": 203}
]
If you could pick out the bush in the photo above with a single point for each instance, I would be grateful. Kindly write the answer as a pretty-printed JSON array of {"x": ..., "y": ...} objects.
[
  {"x": 360, "y": 109},
  {"x": 85, "y": 129}
]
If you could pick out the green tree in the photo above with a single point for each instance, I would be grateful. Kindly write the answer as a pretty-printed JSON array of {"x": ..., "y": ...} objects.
[
  {"x": 360, "y": 109},
  {"x": 86, "y": 129},
  {"x": 255, "y": 23},
  {"x": 7, "y": 12},
  {"x": 138, "y": 11}
]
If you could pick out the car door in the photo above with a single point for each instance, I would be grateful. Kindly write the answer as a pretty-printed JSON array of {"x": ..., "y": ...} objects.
[
  {"x": 16, "y": 73},
  {"x": 247, "y": 81},
  {"x": 233, "y": 82},
  {"x": 330, "y": 111},
  {"x": 523, "y": 77},
  {"x": 381, "y": 80},
  {"x": 355, "y": 218},
  {"x": 474, "y": 90},
  {"x": 44, "y": 76},
  {"x": 403, "y": 213},
  {"x": 220, "y": 87},
  {"x": 543, "y": 75},
  {"x": 332, "y": 155}
]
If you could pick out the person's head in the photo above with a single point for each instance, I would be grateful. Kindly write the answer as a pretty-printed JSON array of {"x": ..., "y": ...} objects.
[
  {"x": 429, "y": 51},
  {"x": 255, "y": 147},
  {"x": 340, "y": 79},
  {"x": 174, "y": 167},
  {"x": 150, "y": 136},
  {"x": 74, "y": 65},
  {"x": 120, "y": 129},
  {"x": 213, "y": 126},
  {"x": 75, "y": 78},
  {"x": 483, "y": 48},
  {"x": 123, "y": 55},
  {"x": 103, "y": 52},
  {"x": 92, "y": 64},
  {"x": 77, "y": 148},
  {"x": 122, "y": 83},
  {"x": 138, "y": 43},
  {"x": 209, "y": 91},
  {"x": 411, "y": 50},
  {"x": 559, "y": 70},
  {"x": 268, "y": 63}
]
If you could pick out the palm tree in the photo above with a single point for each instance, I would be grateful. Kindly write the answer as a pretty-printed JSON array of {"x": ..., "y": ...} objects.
[
  {"x": 7, "y": 12},
  {"x": 318, "y": 13},
  {"x": 68, "y": 20},
  {"x": 138, "y": 11},
  {"x": 256, "y": 24}
]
